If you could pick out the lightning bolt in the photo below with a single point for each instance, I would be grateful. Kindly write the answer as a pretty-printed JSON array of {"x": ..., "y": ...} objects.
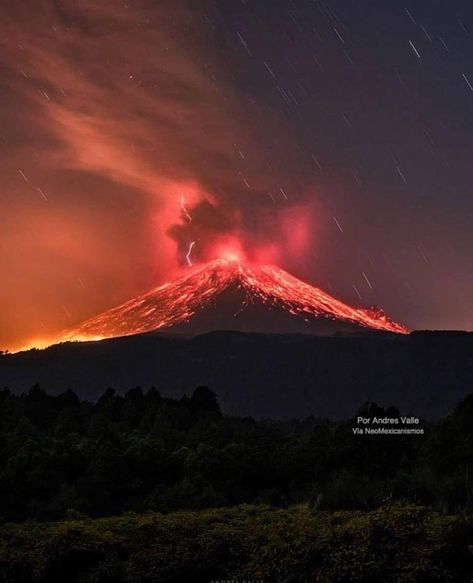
[
  {"x": 184, "y": 210},
  {"x": 188, "y": 256}
]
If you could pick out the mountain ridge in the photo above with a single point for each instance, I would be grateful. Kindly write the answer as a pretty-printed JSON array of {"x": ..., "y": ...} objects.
[{"x": 277, "y": 376}]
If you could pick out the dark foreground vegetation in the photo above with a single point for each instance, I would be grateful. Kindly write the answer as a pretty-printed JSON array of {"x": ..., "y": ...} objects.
[
  {"x": 142, "y": 453},
  {"x": 393, "y": 544},
  {"x": 139, "y": 488}
]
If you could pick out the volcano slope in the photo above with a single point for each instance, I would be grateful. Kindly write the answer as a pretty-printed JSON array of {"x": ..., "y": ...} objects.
[{"x": 233, "y": 295}]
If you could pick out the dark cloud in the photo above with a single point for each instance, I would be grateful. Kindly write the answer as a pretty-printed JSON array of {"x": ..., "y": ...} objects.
[{"x": 201, "y": 225}]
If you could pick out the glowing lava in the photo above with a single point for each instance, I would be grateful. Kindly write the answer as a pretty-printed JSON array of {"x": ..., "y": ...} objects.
[{"x": 200, "y": 287}]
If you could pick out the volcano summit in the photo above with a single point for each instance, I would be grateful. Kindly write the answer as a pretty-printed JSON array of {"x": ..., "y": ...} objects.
[{"x": 226, "y": 294}]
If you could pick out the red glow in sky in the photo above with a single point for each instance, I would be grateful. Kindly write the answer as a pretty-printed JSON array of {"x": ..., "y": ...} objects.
[
  {"x": 99, "y": 153},
  {"x": 230, "y": 248}
]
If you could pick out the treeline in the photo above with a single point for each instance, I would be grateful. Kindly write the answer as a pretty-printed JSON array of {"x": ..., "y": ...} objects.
[{"x": 63, "y": 457}]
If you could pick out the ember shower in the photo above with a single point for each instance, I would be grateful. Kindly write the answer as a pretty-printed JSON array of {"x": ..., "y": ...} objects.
[
  {"x": 132, "y": 132},
  {"x": 236, "y": 295}
]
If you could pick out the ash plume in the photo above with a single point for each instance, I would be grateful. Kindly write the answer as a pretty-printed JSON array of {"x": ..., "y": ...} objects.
[{"x": 109, "y": 111}]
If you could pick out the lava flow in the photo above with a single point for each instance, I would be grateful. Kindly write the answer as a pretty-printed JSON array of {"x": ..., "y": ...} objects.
[{"x": 254, "y": 290}]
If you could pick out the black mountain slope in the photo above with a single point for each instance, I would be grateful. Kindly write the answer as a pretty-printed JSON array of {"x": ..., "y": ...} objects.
[{"x": 264, "y": 375}]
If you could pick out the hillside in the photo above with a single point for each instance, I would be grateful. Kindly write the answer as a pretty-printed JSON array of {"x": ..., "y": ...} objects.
[{"x": 264, "y": 375}]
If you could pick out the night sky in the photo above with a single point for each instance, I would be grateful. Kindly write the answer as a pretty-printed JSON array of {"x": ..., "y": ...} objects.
[{"x": 333, "y": 138}]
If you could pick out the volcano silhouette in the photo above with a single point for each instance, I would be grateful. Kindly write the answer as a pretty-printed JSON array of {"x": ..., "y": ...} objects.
[{"x": 233, "y": 295}]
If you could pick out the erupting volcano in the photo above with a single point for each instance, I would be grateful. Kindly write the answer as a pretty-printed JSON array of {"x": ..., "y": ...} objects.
[{"x": 233, "y": 294}]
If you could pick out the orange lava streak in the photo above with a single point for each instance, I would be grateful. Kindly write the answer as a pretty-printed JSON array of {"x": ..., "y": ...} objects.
[{"x": 178, "y": 301}]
